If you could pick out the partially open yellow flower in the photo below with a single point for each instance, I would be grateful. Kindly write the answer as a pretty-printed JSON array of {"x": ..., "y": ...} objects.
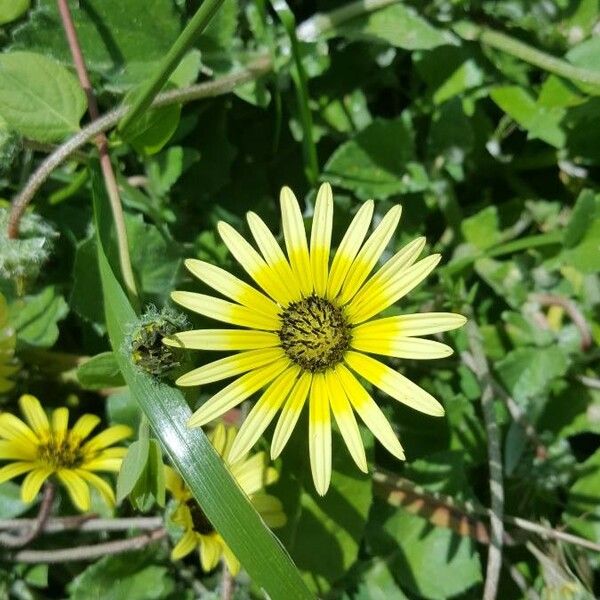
[
  {"x": 308, "y": 333},
  {"x": 42, "y": 448},
  {"x": 252, "y": 475}
]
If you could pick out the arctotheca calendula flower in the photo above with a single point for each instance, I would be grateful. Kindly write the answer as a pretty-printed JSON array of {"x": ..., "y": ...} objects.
[
  {"x": 252, "y": 475},
  {"x": 43, "y": 447},
  {"x": 308, "y": 332}
]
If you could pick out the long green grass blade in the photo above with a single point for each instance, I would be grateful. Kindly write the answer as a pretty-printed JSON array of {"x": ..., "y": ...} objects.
[{"x": 257, "y": 548}]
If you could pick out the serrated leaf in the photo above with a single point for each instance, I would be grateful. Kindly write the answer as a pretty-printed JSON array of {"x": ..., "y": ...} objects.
[
  {"x": 100, "y": 371},
  {"x": 378, "y": 162},
  {"x": 39, "y": 98}
]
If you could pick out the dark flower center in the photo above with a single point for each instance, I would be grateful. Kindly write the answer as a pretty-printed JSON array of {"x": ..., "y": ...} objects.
[
  {"x": 200, "y": 522},
  {"x": 65, "y": 454},
  {"x": 315, "y": 333}
]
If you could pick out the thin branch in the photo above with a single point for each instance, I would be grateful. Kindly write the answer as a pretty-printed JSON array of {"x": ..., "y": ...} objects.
[
  {"x": 91, "y": 552},
  {"x": 210, "y": 89},
  {"x": 87, "y": 522},
  {"x": 110, "y": 181},
  {"x": 227, "y": 583},
  {"x": 572, "y": 310},
  {"x": 482, "y": 371},
  {"x": 527, "y": 591},
  {"x": 36, "y": 526}
]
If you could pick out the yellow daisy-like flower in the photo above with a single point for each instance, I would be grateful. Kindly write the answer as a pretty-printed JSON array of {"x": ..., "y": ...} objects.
[
  {"x": 252, "y": 475},
  {"x": 309, "y": 332},
  {"x": 42, "y": 448},
  {"x": 7, "y": 349}
]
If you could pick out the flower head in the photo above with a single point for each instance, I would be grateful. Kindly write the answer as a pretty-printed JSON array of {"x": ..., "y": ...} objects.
[
  {"x": 309, "y": 332},
  {"x": 43, "y": 447},
  {"x": 252, "y": 475}
]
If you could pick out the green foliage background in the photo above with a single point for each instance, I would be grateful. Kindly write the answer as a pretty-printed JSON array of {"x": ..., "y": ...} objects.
[{"x": 494, "y": 159}]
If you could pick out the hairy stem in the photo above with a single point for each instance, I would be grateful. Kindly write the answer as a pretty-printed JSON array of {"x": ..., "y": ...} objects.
[{"x": 110, "y": 181}]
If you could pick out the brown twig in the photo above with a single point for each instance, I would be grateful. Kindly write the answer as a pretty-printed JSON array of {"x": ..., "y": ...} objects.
[
  {"x": 91, "y": 552},
  {"x": 482, "y": 371},
  {"x": 227, "y": 583},
  {"x": 87, "y": 522},
  {"x": 572, "y": 310},
  {"x": 110, "y": 181},
  {"x": 35, "y": 526}
]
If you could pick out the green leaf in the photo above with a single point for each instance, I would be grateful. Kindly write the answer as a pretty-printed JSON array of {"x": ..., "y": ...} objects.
[
  {"x": 378, "y": 162},
  {"x": 482, "y": 230},
  {"x": 398, "y": 25},
  {"x": 189, "y": 449},
  {"x": 430, "y": 562},
  {"x": 376, "y": 581},
  {"x": 100, "y": 371},
  {"x": 35, "y": 318},
  {"x": 121, "y": 41},
  {"x": 39, "y": 98},
  {"x": 582, "y": 234},
  {"x": 541, "y": 122},
  {"x": 583, "y": 508},
  {"x": 10, "y": 501},
  {"x": 10, "y": 10},
  {"x": 153, "y": 129},
  {"x": 122, "y": 409},
  {"x": 133, "y": 466},
  {"x": 150, "y": 486},
  {"x": 116, "y": 578}
]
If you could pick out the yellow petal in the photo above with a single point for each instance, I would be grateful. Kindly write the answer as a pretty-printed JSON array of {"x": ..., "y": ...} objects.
[
  {"x": 12, "y": 428},
  {"x": 60, "y": 424},
  {"x": 108, "y": 437},
  {"x": 77, "y": 489},
  {"x": 403, "y": 259},
  {"x": 102, "y": 486},
  {"x": 290, "y": 414},
  {"x": 233, "y": 564},
  {"x": 262, "y": 413},
  {"x": 410, "y": 325},
  {"x": 15, "y": 469},
  {"x": 223, "y": 339},
  {"x": 253, "y": 263},
  {"x": 210, "y": 551},
  {"x": 236, "y": 392},
  {"x": 410, "y": 347},
  {"x": 270, "y": 509},
  {"x": 34, "y": 414},
  {"x": 174, "y": 482},
  {"x": 230, "y": 366},
  {"x": 273, "y": 254},
  {"x": 227, "y": 284},
  {"x": 17, "y": 450},
  {"x": 344, "y": 417},
  {"x": 251, "y": 474},
  {"x": 319, "y": 434},
  {"x": 394, "y": 384},
  {"x": 369, "y": 254},
  {"x": 218, "y": 438},
  {"x": 348, "y": 248},
  {"x": 369, "y": 412},
  {"x": 83, "y": 427},
  {"x": 295, "y": 239},
  {"x": 33, "y": 482},
  {"x": 386, "y": 294},
  {"x": 320, "y": 238},
  {"x": 185, "y": 545},
  {"x": 222, "y": 310}
]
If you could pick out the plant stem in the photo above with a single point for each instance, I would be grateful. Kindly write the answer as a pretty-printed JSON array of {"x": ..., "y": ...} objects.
[
  {"x": 91, "y": 552},
  {"x": 143, "y": 99},
  {"x": 108, "y": 173},
  {"x": 482, "y": 371},
  {"x": 210, "y": 89},
  {"x": 87, "y": 522}
]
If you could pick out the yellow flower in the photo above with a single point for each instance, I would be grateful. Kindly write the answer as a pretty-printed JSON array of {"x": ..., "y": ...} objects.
[
  {"x": 306, "y": 336},
  {"x": 252, "y": 475},
  {"x": 7, "y": 349},
  {"x": 43, "y": 448}
]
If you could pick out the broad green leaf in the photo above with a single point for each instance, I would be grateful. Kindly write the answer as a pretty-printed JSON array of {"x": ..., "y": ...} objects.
[
  {"x": 398, "y": 25},
  {"x": 39, "y": 98},
  {"x": 10, "y": 10},
  {"x": 10, "y": 501},
  {"x": 583, "y": 508},
  {"x": 116, "y": 578},
  {"x": 190, "y": 451},
  {"x": 84, "y": 299},
  {"x": 150, "y": 485},
  {"x": 133, "y": 466},
  {"x": 376, "y": 581},
  {"x": 430, "y": 562},
  {"x": 378, "y": 162},
  {"x": 582, "y": 235},
  {"x": 541, "y": 122},
  {"x": 122, "y": 409},
  {"x": 35, "y": 318},
  {"x": 121, "y": 41},
  {"x": 153, "y": 129},
  {"x": 100, "y": 371},
  {"x": 483, "y": 229}
]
